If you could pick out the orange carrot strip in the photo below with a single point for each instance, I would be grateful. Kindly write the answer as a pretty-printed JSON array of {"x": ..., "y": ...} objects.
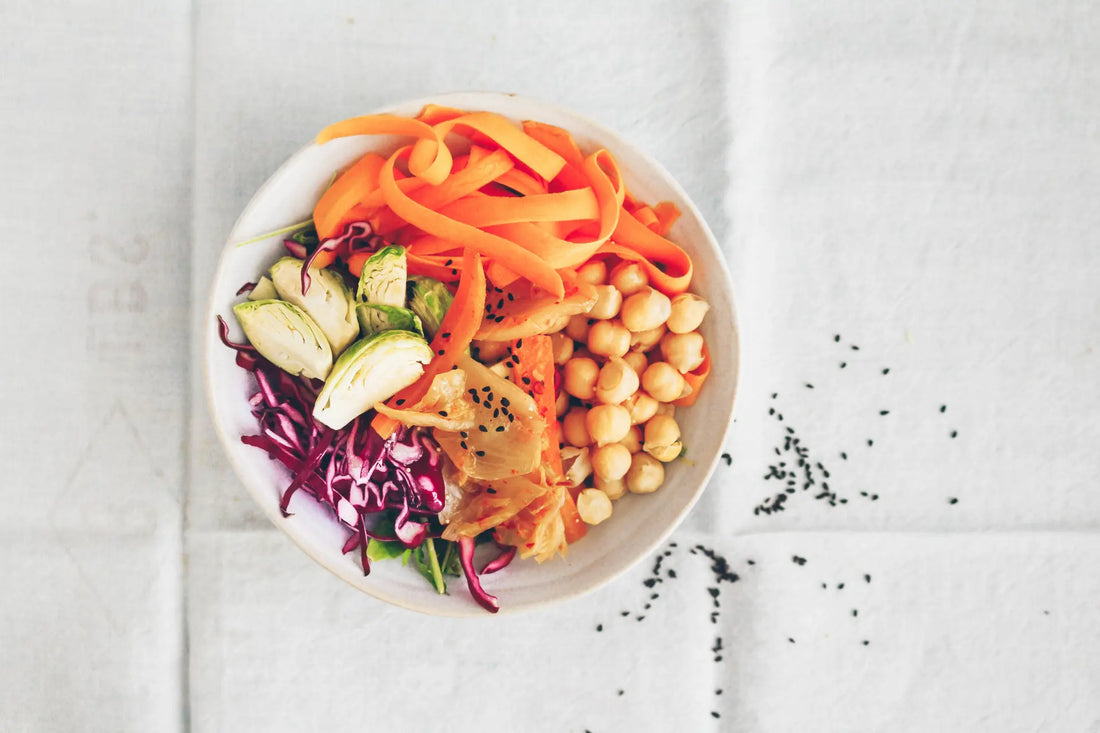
[
  {"x": 557, "y": 139},
  {"x": 456, "y": 331},
  {"x": 534, "y": 369},
  {"x": 522, "y": 146},
  {"x": 344, "y": 193},
  {"x": 696, "y": 379},
  {"x": 356, "y": 262},
  {"x": 430, "y": 245},
  {"x": 521, "y": 182},
  {"x": 510, "y": 254},
  {"x": 602, "y": 175},
  {"x": 468, "y": 180},
  {"x": 433, "y": 114},
  {"x": 480, "y": 210},
  {"x": 667, "y": 214},
  {"x": 669, "y": 268},
  {"x": 432, "y": 165},
  {"x": 647, "y": 217},
  {"x": 562, "y": 143},
  {"x": 433, "y": 266}
]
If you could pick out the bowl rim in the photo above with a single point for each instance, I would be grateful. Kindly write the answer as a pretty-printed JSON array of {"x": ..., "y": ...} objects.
[{"x": 462, "y": 99}]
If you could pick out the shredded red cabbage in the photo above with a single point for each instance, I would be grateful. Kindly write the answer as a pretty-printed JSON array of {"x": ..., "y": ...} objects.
[
  {"x": 466, "y": 557},
  {"x": 353, "y": 471},
  {"x": 356, "y": 237}
]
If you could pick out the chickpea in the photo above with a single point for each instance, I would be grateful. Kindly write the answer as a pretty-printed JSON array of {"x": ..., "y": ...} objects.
[
  {"x": 637, "y": 361},
  {"x": 490, "y": 351},
  {"x": 615, "y": 489},
  {"x": 577, "y": 327},
  {"x": 608, "y": 423},
  {"x": 660, "y": 380},
  {"x": 594, "y": 272},
  {"x": 633, "y": 439},
  {"x": 608, "y": 302},
  {"x": 683, "y": 350},
  {"x": 616, "y": 382},
  {"x": 662, "y": 438},
  {"x": 687, "y": 313},
  {"x": 645, "y": 340},
  {"x": 561, "y": 404},
  {"x": 574, "y": 427},
  {"x": 580, "y": 378},
  {"x": 610, "y": 462},
  {"x": 608, "y": 338},
  {"x": 629, "y": 278},
  {"x": 646, "y": 309},
  {"x": 562, "y": 346},
  {"x": 645, "y": 475},
  {"x": 641, "y": 407},
  {"x": 593, "y": 505}
]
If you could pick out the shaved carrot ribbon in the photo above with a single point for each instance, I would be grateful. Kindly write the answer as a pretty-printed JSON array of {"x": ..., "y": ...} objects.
[
  {"x": 511, "y": 255},
  {"x": 456, "y": 331},
  {"x": 668, "y": 267},
  {"x": 523, "y": 147},
  {"x": 432, "y": 166},
  {"x": 695, "y": 380},
  {"x": 344, "y": 193}
]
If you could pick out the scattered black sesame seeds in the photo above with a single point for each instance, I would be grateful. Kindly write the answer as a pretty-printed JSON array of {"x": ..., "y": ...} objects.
[
  {"x": 798, "y": 560},
  {"x": 727, "y": 459},
  {"x": 953, "y": 500},
  {"x": 599, "y": 627},
  {"x": 886, "y": 371},
  {"x": 867, "y": 578},
  {"x": 790, "y": 639},
  {"x": 884, "y": 412},
  {"x": 855, "y": 612},
  {"x": 866, "y": 643},
  {"x": 954, "y": 433},
  {"x": 809, "y": 386}
]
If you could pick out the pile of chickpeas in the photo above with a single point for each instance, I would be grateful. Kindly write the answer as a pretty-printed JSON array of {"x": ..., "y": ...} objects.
[{"x": 623, "y": 364}]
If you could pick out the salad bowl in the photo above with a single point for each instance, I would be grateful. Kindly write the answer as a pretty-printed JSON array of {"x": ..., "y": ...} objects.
[{"x": 640, "y": 523}]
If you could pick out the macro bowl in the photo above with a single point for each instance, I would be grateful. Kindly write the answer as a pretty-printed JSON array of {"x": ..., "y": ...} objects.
[{"x": 640, "y": 522}]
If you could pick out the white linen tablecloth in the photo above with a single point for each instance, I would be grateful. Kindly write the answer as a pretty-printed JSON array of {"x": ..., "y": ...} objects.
[{"x": 905, "y": 189}]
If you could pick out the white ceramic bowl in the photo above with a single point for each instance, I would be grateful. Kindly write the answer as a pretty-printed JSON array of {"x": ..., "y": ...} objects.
[{"x": 640, "y": 522}]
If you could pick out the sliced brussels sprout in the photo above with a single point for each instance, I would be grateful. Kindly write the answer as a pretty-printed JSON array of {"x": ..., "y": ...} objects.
[
  {"x": 328, "y": 301},
  {"x": 377, "y": 318},
  {"x": 429, "y": 299},
  {"x": 286, "y": 336},
  {"x": 382, "y": 281},
  {"x": 264, "y": 290},
  {"x": 371, "y": 370}
]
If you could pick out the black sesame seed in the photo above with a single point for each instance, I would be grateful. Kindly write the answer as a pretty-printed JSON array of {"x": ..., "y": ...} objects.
[
  {"x": 844, "y": 455},
  {"x": 809, "y": 386},
  {"x": 774, "y": 395},
  {"x": 870, "y": 442},
  {"x": 790, "y": 639},
  {"x": 865, "y": 642},
  {"x": 843, "y": 364},
  {"x": 886, "y": 370},
  {"x": 837, "y": 338},
  {"x": 714, "y": 714},
  {"x": 952, "y": 500},
  {"x": 599, "y": 627},
  {"x": 500, "y": 428},
  {"x": 727, "y": 458},
  {"x": 491, "y": 490},
  {"x": 855, "y": 612},
  {"x": 480, "y": 453},
  {"x": 443, "y": 413},
  {"x": 855, "y": 348},
  {"x": 943, "y": 408},
  {"x": 867, "y": 578},
  {"x": 440, "y": 352},
  {"x": 504, "y": 402},
  {"x": 400, "y": 402},
  {"x": 884, "y": 412},
  {"x": 463, "y": 444},
  {"x": 954, "y": 433},
  {"x": 482, "y": 428},
  {"x": 486, "y": 388},
  {"x": 840, "y": 586}
]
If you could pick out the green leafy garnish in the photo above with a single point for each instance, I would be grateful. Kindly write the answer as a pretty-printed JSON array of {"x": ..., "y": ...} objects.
[{"x": 285, "y": 230}]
